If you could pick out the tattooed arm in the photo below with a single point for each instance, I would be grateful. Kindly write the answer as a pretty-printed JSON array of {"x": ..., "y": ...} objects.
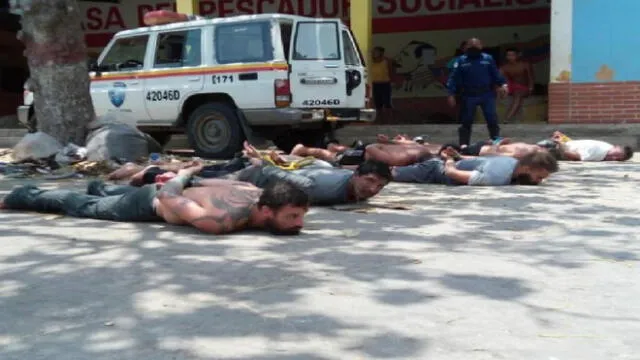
[
  {"x": 228, "y": 210},
  {"x": 190, "y": 212},
  {"x": 183, "y": 208}
]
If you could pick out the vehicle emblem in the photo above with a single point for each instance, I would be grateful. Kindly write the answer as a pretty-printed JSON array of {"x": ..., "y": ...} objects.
[{"x": 118, "y": 93}]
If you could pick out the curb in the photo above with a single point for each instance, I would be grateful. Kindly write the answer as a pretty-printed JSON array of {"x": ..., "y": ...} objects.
[{"x": 445, "y": 133}]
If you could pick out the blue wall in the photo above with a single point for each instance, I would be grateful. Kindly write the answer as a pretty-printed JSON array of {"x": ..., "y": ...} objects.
[{"x": 606, "y": 32}]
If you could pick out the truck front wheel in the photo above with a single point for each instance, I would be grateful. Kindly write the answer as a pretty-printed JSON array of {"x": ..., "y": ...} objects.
[{"x": 214, "y": 131}]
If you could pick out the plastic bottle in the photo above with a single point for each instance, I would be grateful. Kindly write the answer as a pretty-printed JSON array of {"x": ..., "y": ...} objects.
[{"x": 154, "y": 158}]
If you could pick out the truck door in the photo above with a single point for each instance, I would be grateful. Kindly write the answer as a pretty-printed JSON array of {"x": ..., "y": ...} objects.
[
  {"x": 176, "y": 74},
  {"x": 119, "y": 86},
  {"x": 356, "y": 72},
  {"x": 317, "y": 68}
]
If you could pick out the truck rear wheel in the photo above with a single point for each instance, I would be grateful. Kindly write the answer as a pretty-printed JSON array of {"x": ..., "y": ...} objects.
[{"x": 214, "y": 131}]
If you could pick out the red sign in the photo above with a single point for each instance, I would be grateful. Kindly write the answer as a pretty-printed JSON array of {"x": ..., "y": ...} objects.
[{"x": 102, "y": 21}]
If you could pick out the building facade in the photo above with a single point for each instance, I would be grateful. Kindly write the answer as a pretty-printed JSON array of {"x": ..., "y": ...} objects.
[
  {"x": 421, "y": 36},
  {"x": 594, "y": 74}
]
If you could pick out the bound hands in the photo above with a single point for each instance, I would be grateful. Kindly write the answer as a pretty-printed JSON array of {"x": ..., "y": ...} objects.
[
  {"x": 255, "y": 157},
  {"x": 191, "y": 169},
  {"x": 451, "y": 100},
  {"x": 450, "y": 153},
  {"x": 174, "y": 187}
]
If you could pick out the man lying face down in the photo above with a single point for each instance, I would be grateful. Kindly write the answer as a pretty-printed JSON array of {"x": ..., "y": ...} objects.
[
  {"x": 325, "y": 186},
  {"x": 586, "y": 150},
  {"x": 483, "y": 171},
  {"x": 228, "y": 207}
]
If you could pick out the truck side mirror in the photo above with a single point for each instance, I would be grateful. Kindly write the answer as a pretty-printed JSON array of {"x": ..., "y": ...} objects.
[{"x": 93, "y": 66}]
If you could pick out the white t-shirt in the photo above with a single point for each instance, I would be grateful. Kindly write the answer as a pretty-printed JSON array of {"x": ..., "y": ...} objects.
[{"x": 589, "y": 150}]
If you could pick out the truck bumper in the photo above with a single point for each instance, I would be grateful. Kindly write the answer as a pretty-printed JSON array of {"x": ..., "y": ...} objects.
[
  {"x": 291, "y": 116},
  {"x": 23, "y": 114},
  {"x": 362, "y": 115}
]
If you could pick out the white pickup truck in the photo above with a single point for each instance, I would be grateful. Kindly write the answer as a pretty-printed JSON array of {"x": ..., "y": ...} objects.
[{"x": 281, "y": 77}]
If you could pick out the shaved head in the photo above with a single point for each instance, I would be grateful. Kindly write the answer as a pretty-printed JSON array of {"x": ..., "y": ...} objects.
[{"x": 474, "y": 42}]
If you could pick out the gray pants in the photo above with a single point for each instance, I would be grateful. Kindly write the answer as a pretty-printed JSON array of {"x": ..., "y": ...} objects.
[
  {"x": 427, "y": 172},
  {"x": 136, "y": 204}
]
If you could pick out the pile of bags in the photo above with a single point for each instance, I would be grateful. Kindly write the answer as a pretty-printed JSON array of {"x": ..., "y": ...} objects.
[{"x": 107, "y": 142}]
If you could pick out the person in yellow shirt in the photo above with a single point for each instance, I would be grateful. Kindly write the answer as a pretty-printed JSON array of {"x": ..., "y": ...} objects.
[{"x": 381, "y": 72}]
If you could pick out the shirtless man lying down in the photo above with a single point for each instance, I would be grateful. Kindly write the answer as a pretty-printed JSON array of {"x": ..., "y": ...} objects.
[
  {"x": 403, "y": 151},
  {"x": 227, "y": 207}
]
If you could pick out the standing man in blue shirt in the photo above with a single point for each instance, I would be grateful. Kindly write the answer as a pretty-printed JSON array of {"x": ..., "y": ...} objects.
[{"x": 475, "y": 76}]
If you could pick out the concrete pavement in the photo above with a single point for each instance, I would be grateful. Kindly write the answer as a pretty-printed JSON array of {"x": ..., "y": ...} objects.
[{"x": 540, "y": 273}]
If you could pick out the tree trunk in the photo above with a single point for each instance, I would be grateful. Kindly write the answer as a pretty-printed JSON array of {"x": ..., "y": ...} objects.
[{"x": 57, "y": 58}]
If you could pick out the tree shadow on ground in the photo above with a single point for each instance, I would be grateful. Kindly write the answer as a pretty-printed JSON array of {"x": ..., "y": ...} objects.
[{"x": 103, "y": 290}]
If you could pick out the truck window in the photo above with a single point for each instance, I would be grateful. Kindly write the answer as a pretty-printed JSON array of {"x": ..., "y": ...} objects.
[
  {"x": 178, "y": 48},
  {"x": 316, "y": 41},
  {"x": 285, "y": 34},
  {"x": 243, "y": 42},
  {"x": 126, "y": 53},
  {"x": 350, "y": 53}
]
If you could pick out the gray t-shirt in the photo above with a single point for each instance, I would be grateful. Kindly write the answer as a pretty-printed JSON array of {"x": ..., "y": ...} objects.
[
  {"x": 330, "y": 185},
  {"x": 489, "y": 170},
  {"x": 325, "y": 186}
]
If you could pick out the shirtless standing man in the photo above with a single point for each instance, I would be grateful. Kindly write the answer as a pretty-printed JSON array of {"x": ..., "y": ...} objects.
[
  {"x": 228, "y": 207},
  {"x": 519, "y": 75}
]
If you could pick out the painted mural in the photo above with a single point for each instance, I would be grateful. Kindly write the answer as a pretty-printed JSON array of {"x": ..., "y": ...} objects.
[{"x": 421, "y": 68}]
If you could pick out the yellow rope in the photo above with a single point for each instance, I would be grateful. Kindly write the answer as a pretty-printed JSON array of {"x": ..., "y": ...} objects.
[{"x": 292, "y": 165}]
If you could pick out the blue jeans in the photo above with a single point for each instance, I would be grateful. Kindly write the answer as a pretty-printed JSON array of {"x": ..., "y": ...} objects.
[
  {"x": 487, "y": 103},
  {"x": 134, "y": 205}
]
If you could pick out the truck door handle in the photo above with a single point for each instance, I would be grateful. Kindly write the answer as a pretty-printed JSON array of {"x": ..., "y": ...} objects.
[
  {"x": 331, "y": 66},
  {"x": 194, "y": 78},
  {"x": 322, "y": 80},
  {"x": 248, "y": 76},
  {"x": 136, "y": 82}
]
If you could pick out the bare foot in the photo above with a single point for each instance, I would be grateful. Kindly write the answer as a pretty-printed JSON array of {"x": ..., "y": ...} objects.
[
  {"x": 125, "y": 171},
  {"x": 298, "y": 150}
]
